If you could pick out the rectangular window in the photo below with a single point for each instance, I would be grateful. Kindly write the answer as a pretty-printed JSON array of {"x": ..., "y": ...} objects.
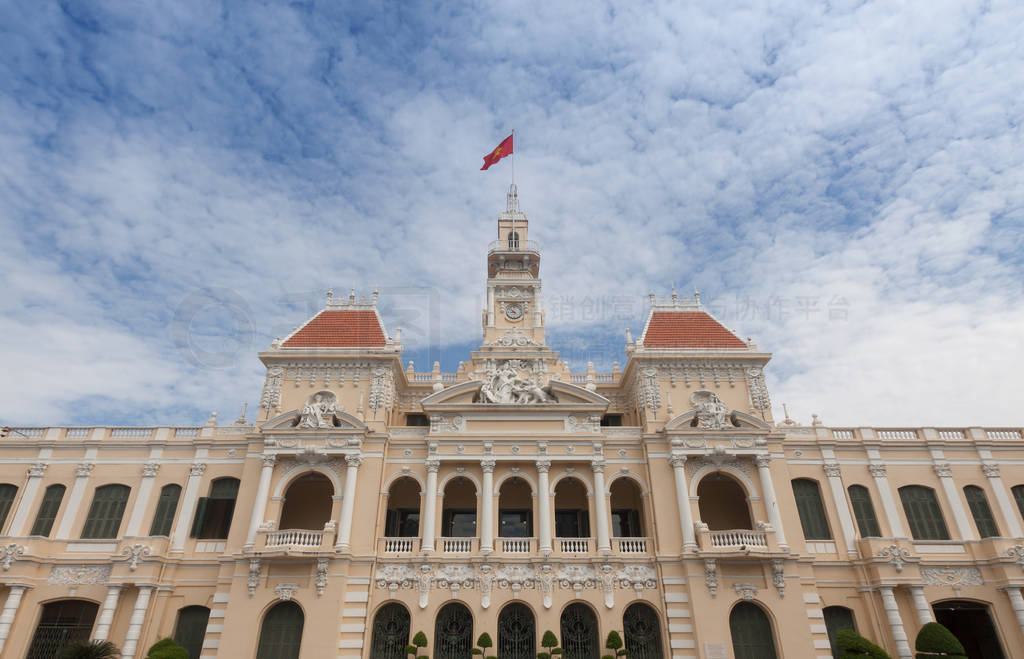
[
  {"x": 515, "y": 523},
  {"x": 626, "y": 523},
  {"x": 166, "y": 506},
  {"x": 48, "y": 511},
  {"x": 459, "y": 523},
  {"x": 572, "y": 524},
  {"x": 214, "y": 513},
  {"x": 402, "y": 523}
]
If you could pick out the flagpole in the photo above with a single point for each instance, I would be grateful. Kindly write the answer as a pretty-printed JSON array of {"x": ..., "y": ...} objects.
[{"x": 513, "y": 188}]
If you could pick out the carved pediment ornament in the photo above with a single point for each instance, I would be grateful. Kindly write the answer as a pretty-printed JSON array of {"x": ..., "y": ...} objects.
[{"x": 513, "y": 382}]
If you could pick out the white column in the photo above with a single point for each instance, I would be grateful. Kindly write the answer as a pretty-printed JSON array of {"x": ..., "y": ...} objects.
[
  {"x": 892, "y": 612},
  {"x": 764, "y": 469},
  {"x": 107, "y": 613},
  {"x": 74, "y": 501},
  {"x": 842, "y": 507},
  {"x": 678, "y": 463},
  {"x": 259, "y": 504},
  {"x": 956, "y": 504},
  {"x": 888, "y": 503},
  {"x": 348, "y": 502},
  {"x": 490, "y": 306},
  {"x": 1009, "y": 511},
  {"x": 430, "y": 506},
  {"x": 924, "y": 612},
  {"x": 1016, "y": 601},
  {"x": 149, "y": 471},
  {"x": 487, "y": 507},
  {"x": 131, "y": 640},
  {"x": 544, "y": 506},
  {"x": 188, "y": 504},
  {"x": 604, "y": 543},
  {"x": 28, "y": 499},
  {"x": 14, "y": 601}
]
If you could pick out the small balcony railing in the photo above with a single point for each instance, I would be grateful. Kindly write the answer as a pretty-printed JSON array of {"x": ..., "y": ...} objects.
[
  {"x": 573, "y": 545},
  {"x": 458, "y": 545},
  {"x": 397, "y": 545},
  {"x": 517, "y": 545},
  {"x": 531, "y": 246},
  {"x": 631, "y": 545},
  {"x": 295, "y": 538},
  {"x": 737, "y": 539}
]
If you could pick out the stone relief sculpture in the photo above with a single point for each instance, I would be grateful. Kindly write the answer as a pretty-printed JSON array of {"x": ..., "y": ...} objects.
[
  {"x": 504, "y": 384},
  {"x": 711, "y": 412},
  {"x": 319, "y": 411}
]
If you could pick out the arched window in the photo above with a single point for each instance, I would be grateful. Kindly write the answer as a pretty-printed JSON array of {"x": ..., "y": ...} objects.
[
  {"x": 453, "y": 632},
  {"x": 722, "y": 502},
  {"x": 627, "y": 506},
  {"x": 751, "y": 632},
  {"x": 48, "y": 510},
  {"x": 572, "y": 519},
  {"x": 1018, "y": 496},
  {"x": 580, "y": 638},
  {"x": 517, "y": 632},
  {"x": 513, "y": 240},
  {"x": 106, "y": 511},
  {"x": 190, "y": 629},
  {"x": 923, "y": 513},
  {"x": 390, "y": 632},
  {"x": 214, "y": 513},
  {"x": 458, "y": 516},
  {"x": 837, "y": 618},
  {"x": 515, "y": 509},
  {"x": 307, "y": 503},
  {"x": 61, "y": 622},
  {"x": 403, "y": 515},
  {"x": 7, "y": 494},
  {"x": 642, "y": 632},
  {"x": 983, "y": 518},
  {"x": 972, "y": 624},
  {"x": 811, "y": 510},
  {"x": 864, "y": 512},
  {"x": 166, "y": 506},
  {"x": 281, "y": 632}
]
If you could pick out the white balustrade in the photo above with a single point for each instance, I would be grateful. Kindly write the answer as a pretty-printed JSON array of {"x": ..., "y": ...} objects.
[
  {"x": 574, "y": 545},
  {"x": 398, "y": 545},
  {"x": 630, "y": 545},
  {"x": 515, "y": 545},
  {"x": 294, "y": 538},
  {"x": 738, "y": 538},
  {"x": 456, "y": 545}
]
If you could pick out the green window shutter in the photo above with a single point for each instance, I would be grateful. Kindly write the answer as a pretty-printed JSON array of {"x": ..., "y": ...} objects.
[
  {"x": 864, "y": 512},
  {"x": 983, "y": 518},
  {"x": 106, "y": 511},
  {"x": 191, "y": 629},
  {"x": 923, "y": 513},
  {"x": 199, "y": 520},
  {"x": 1018, "y": 495},
  {"x": 7, "y": 494},
  {"x": 811, "y": 510},
  {"x": 166, "y": 506},
  {"x": 837, "y": 618},
  {"x": 281, "y": 632},
  {"x": 751, "y": 632},
  {"x": 48, "y": 510}
]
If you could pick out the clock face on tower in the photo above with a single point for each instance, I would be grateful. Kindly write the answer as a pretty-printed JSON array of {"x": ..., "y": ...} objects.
[{"x": 514, "y": 311}]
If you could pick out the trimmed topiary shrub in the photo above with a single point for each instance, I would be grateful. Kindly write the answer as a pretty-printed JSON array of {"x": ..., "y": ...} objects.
[
  {"x": 614, "y": 642},
  {"x": 852, "y": 645},
  {"x": 167, "y": 649},
  {"x": 418, "y": 641},
  {"x": 936, "y": 642},
  {"x": 550, "y": 644}
]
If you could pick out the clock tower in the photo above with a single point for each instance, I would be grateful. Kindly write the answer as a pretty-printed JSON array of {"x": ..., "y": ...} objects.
[{"x": 514, "y": 317}]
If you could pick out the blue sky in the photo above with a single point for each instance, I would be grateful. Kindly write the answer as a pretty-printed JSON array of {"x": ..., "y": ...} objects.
[{"x": 181, "y": 183}]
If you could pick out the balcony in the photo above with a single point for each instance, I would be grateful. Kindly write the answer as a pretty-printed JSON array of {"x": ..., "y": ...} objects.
[
  {"x": 459, "y": 545},
  {"x": 513, "y": 246},
  {"x": 732, "y": 540},
  {"x": 516, "y": 545},
  {"x": 631, "y": 545},
  {"x": 300, "y": 540},
  {"x": 570, "y": 546},
  {"x": 398, "y": 545}
]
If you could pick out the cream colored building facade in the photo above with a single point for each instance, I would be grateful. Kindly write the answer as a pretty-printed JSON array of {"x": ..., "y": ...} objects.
[{"x": 369, "y": 501}]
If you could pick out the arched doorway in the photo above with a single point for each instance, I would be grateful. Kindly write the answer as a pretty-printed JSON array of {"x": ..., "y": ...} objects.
[
  {"x": 307, "y": 503},
  {"x": 453, "y": 632},
  {"x": 403, "y": 515},
  {"x": 642, "y": 632},
  {"x": 972, "y": 625},
  {"x": 458, "y": 516},
  {"x": 61, "y": 622},
  {"x": 515, "y": 509},
  {"x": 751, "y": 632},
  {"x": 627, "y": 506},
  {"x": 580, "y": 638},
  {"x": 722, "y": 502},
  {"x": 281, "y": 632},
  {"x": 390, "y": 632},
  {"x": 190, "y": 630},
  {"x": 517, "y": 632}
]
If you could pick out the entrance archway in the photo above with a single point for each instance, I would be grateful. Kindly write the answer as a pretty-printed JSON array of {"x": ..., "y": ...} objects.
[
  {"x": 390, "y": 632},
  {"x": 517, "y": 632},
  {"x": 453, "y": 632},
  {"x": 642, "y": 631},
  {"x": 972, "y": 625},
  {"x": 62, "y": 622},
  {"x": 580, "y": 638},
  {"x": 723, "y": 503}
]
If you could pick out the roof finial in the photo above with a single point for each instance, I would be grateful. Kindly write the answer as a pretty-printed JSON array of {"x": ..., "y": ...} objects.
[
  {"x": 512, "y": 199},
  {"x": 330, "y": 295},
  {"x": 675, "y": 297},
  {"x": 696, "y": 295},
  {"x": 352, "y": 295}
]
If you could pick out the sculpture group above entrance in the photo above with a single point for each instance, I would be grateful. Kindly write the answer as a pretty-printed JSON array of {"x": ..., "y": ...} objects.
[
  {"x": 319, "y": 410},
  {"x": 510, "y": 382}
]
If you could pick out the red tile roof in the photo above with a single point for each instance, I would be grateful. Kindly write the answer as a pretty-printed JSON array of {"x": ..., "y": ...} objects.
[
  {"x": 340, "y": 329},
  {"x": 688, "y": 329}
]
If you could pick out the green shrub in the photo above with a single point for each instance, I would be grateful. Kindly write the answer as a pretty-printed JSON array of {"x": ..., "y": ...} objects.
[
  {"x": 614, "y": 642},
  {"x": 935, "y": 642},
  {"x": 167, "y": 649},
  {"x": 89, "y": 650},
  {"x": 852, "y": 645},
  {"x": 418, "y": 641}
]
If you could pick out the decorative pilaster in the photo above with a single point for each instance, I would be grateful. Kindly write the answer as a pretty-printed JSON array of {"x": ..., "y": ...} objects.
[
  {"x": 544, "y": 505},
  {"x": 259, "y": 504},
  {"x": 82, "y": 474},
  {"x": 1016, "y": 601},
  {"x": 487, "y": 507},
  {"x": 149, "y": 472},
  {"x": 956, "y": 504},
  {"x": 188, "y": 506},
  {"x": 430, "y": 506},
  {"x": 348, "y": 502},
  {"x": 991, "y": 471},
  {"x": 604, "y": 543},
  {"x": 835, "y": 481},
  {"x": 107, "y": 613},
  {"x": 28, "y": 498},
  {"x": 878, "y": 472},
  {"x": 13, "y": 601},
  {"x": 892, "y": 612},
  {"x": 764, "y": 470},
  {"x": 678, "y": 463},
  {"x": 131, "y": 640},
  {"x": 924, "y": 612}
]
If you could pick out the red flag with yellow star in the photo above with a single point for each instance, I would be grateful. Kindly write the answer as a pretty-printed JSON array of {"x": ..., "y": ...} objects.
[{"x": 504, "y": 149}]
